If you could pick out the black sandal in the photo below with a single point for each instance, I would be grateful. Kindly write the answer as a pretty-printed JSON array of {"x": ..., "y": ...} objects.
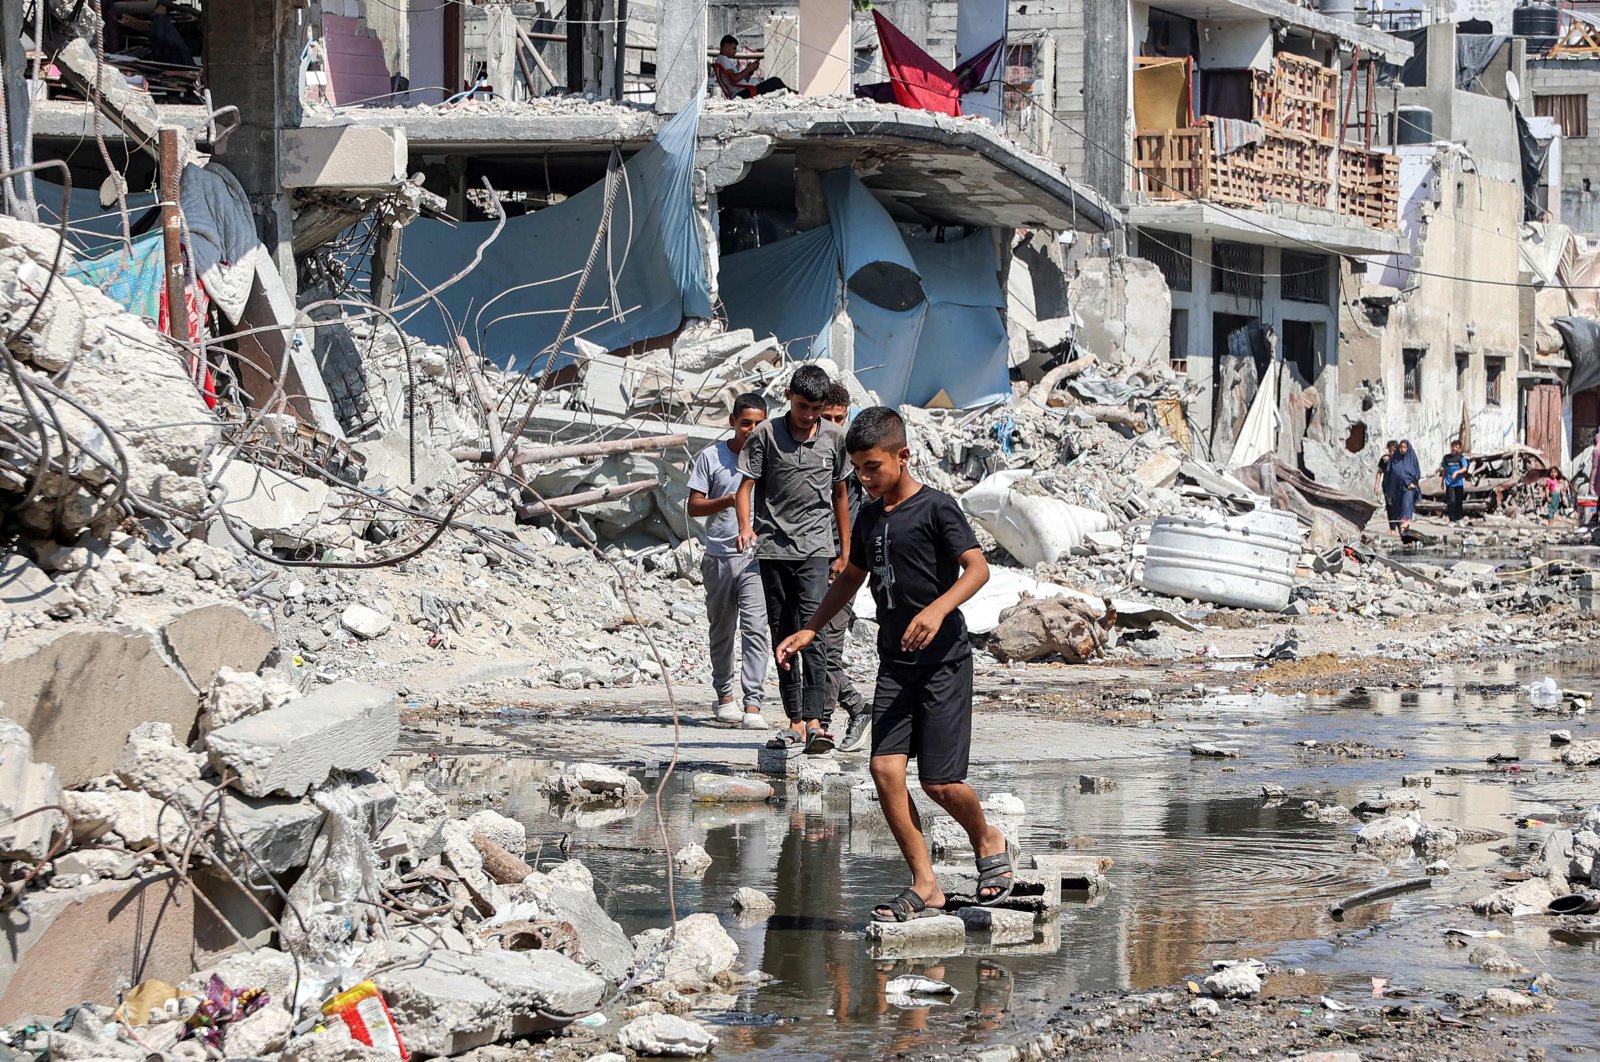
[
  {"x": 785, "y": 739},
  {"x": 906, "y": 907},
  {"x": 818, "y": 742},
  {"x": 995, "y": 872}
]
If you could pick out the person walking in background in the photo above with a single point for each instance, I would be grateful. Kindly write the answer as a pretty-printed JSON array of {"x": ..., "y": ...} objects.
[
  {"x": 793, "y": 510},
  {"x": 1454, "y": 471},
  {"x": 840, "y": 690},
  {"x": 1377, "y": 483},
  {"x": 735, "y": 602},
  {"x": 1400, "y": 486}
]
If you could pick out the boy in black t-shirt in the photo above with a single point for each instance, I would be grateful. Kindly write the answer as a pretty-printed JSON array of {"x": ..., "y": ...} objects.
[{"x": 925, "y": 563}]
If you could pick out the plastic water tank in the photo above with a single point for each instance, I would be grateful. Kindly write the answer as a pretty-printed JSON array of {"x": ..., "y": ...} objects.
[
  {"x": 1340, "y": 9},
  {"x": 1246, "y": 561},
  {"x": 1413, "y": 125},
  {"x": 1536, "y": 20}
]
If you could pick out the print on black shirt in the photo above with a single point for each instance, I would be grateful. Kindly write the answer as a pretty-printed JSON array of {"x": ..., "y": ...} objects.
[{"x": 911, "y": 555}]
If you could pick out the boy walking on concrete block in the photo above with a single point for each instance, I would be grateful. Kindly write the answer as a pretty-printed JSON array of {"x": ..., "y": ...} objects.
[{"x": 924, "y": 562}]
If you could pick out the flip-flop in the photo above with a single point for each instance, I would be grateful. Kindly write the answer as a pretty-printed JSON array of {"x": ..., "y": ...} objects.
[
  {"x": 785, "y": 739},
  {"x": 995, "y": 872},
  {"x": 818, "y": 742},
  {"x": 906, "y": 907}
]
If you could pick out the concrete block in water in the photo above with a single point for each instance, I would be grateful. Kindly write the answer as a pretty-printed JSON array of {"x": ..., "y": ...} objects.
[
  {"x": 785, "y": 763},
  {"x": 932, "y": 937},
  {"x": 1044, "y": 940},
  {"x": 1077, "y": 873},
  {"x": 998, "y": 925},
  {"x": 293, "y": 749},
  {"x": 1037, "y": 891}
]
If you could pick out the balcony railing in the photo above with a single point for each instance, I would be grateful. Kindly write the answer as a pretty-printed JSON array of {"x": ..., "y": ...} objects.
[{"x": 1297, "y": 160}]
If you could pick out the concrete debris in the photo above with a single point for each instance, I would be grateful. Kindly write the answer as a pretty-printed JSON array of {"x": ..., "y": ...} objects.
[
  {"x": 1493, "y": 958},
  {"x": 1508, "y": 1000},
  {"x": 291, "y": 749},
  {"x": 699, "y": 951},
  {"x": 1582, "y": 754},
  {"x": 364, "y": 622},
  {"x": 692, "y": 861},
  {"x": 1034, "y": 630},
  {"x": 153, "y": 762},
  {"x": 509, "y": 834},
  {"x": 1533, "y": 895},
  {"x": 666, "y": 1036},
  {"x": 1234, "y": 982},
  {"x": 25, "y": 787},
  {"x": 1388, "y": 834},
  {"x": 720, "y": 788},
  {"x": 1094, "y": 783},
  {"x": 753, "y": 901},
  {"x": 583, "y": 783},
  {"x": 1205, "y": 1008}
]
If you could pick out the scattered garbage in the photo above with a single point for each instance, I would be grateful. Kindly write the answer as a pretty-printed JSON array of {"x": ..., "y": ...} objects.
[{"x": 917, "y": 985}]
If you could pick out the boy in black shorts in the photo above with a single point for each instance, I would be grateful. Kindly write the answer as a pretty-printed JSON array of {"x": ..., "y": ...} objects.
[{"x": 925, "y": 563}]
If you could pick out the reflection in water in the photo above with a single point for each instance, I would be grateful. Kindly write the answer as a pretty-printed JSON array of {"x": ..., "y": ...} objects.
[{"x": 1204, "y": 870}]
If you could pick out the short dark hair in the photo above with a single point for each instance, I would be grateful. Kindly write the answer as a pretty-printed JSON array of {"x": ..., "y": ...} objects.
[
  {"x": 1390, "y": 445},
  {"x": 876, "y": 428},
  {"x": 728, "y": 38},
  {"x": 838, "y": 395},
  {"x": 810, "y": 383},
  {"x": 749, "y": 400},
  {"x": 1455, "y": 442}
]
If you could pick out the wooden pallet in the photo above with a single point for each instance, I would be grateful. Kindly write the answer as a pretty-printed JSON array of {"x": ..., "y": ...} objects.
[
  {"x": 1369, "y": 187},
  {"x": 1304, "y": 98},
  {"x": 1171, "y": 163}
]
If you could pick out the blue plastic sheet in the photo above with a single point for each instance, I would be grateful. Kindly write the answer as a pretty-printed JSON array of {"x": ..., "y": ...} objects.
[
  {"x": 926, "y": 315},
  {"x": 648, "y": 276}
]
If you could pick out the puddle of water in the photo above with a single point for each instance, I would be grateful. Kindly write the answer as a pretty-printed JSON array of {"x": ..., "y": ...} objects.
[{"x": 1204, "y": 870}]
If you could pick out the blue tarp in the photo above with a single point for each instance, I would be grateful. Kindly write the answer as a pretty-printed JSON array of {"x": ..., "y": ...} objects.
[
  {"x": 136, "y": 282},
  {"x": 926, "y": 315},
  {"x": 652, "y": 249}
]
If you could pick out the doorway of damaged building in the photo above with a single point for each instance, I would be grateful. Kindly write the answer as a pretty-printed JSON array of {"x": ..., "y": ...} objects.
[{"x": 1542, "y": 420}]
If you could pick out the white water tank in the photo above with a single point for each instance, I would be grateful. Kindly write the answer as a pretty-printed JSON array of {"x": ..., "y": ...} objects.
[
  {"x": 1245, "y": 561},
  {"x": 1340, "y": 9}
]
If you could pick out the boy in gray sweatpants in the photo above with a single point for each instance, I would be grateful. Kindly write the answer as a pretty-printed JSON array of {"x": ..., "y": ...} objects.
[{"x": 735, "y": 601}]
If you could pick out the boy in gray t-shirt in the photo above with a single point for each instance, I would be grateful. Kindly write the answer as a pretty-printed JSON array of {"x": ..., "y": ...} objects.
[{"x": 735, "y": 601}]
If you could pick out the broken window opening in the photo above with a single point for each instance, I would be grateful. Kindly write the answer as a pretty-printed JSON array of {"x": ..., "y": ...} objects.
[
  {"x": 1236, "y": 269},
  {"x": 1173, "y": 254},
  {"x": 1305, "y": 277},
  {"x": 1412, "y": 359},
  {"x": 1463, "y": 367},
  {"x": 1356, "y": 440},
  {"x": 1493, "y": 370},
  {"x": 1303, "y": 347},
  {"x": 1178, "y": 343}
]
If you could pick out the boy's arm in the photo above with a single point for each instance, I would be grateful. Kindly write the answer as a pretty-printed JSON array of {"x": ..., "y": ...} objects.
[
  {"x": 925, "y": 625},
  {"x": 701, "y": 506},
  {"x": 840, "y": 594},
  {"x": 743, "y": 503},
  {"x": 841, "y": 516}
]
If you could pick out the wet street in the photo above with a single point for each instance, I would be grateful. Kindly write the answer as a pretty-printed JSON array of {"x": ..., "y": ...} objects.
[{"x": 1205, "y": 868}]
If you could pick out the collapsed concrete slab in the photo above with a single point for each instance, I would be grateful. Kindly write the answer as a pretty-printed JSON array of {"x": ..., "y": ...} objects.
[
  {"x": 79, "y": 690},
  {"x": 207, "y": 639},
  {"x": 274, "y": 832},
  {"x": 451, "y": 1003},
  {"x": 26, "y": 786},
  {"x": 292, "y": 749},
  {"x": 63, "y": 947}
]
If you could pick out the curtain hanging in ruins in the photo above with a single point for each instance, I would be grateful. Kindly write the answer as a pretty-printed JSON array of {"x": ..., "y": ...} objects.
[{"x": 648, "y": 277}]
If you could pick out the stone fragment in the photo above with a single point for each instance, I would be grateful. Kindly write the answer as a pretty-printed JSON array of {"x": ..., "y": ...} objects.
[
  {"x": 1495, "y": 959},
  {"x": 569, "y": 896},
  {"x": 1582, "y": 754},
  {"x": 1388, "y": 834},
  {"x": 692, "y": 861},
  {"x": 291, "y": 750},
  {"x": 334, "y": 1045},
  {"x": 1211, "y": 751},
  {"x": 1004, "y": 804},
  {"x": 26, "y": 786},
  {"x": 666, "y": 1036},
  {"x": 78, "y": 689},
  {"x": 753, "y": 901},
  {"x": 265, "y": 968},
  {"x": 1039, "y": 628},
  {"x": 153, "y": 762},
  {"x": 724, "y": 789},
  {"x": 235, "y": 695},
  {"x": 1507, "y": 1000},
  {"x": 94, "y": 864},
  {"x": 1094, "y": 783},
  {"x": 1560, "y": 737},
  {"x": 1234, "y": 982},
  {"x": 259, "y": 1035},
  {"x": 699, "y": 951},
  {"x": 1434, "y": 841},
  {"x": 1002, "y": 926},
  {"x": 364, "y": 622},
  {"x": 27, "y": 590},
  {"x": 811, "y": 773},
  {"x": 1534, "y": 893},
  {"x": 938, "y": 935},
  {"x": 1205, "y": 1008},
  {"x": 505, "y": 832},
  {"x": 267, "y": 501},
  {"x": 126, "y": 814},
  {"x": 584, "y": 783},
  {"x": 207, "y": 639}
]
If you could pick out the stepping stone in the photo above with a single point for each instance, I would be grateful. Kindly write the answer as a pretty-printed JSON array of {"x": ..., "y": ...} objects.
[
  {"x": 785, "y": 763},
  {"x": 1078, "y": 873},
  {"x": 998, "y": 925},
  {"x": 939, "y": 936},
  {"x": 1045, "y": 940},
  {"x": 1036, "y": 891}
]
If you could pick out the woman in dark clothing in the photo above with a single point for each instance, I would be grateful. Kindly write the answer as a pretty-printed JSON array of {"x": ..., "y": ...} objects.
[
  {"x": 1383, "y": 466},
  {"x": 1400, "y": 486}
]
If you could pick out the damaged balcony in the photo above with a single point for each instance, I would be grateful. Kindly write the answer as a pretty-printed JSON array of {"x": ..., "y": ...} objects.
[{"x": 1236, "y": 134}]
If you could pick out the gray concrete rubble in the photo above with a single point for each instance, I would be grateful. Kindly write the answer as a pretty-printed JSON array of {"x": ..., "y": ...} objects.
[
  {"x": 696, "y": 952},
  {"x": 666, "y": 1036},
  {"x": 26, "y": 787},
  {"x": 291, "y": 749}
]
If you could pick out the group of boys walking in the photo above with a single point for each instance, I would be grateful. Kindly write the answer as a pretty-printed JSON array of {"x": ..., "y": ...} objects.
[{"x": 791, "y": 535}]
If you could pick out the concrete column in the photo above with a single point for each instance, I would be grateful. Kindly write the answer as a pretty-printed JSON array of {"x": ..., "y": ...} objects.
[
  {"x": 252, "y": 54},
  {"x": 681, "y": 59},
  {"x": 825, "y": 55},
  {"x": 15, "y": 101},
  {"x": 781, "y": 49},
  {"x": 500, "y": 49},
  {"x": 810, "y": 205},
  {"x": 1107, "y": 66}
]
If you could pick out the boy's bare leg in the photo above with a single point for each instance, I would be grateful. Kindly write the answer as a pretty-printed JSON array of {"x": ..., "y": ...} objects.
[
  {"x": 961, "y": 801},
  {"x": 889, "y": 775}
]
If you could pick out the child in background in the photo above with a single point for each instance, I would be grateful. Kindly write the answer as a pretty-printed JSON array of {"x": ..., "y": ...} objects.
[
  {"x": 841, "y": 691},
  {"x": 794, "y": 512},
  {"x": 1555, "y": 486},
  {"x": 925, "y": 563},
  {"x": 735, "y": 601}
]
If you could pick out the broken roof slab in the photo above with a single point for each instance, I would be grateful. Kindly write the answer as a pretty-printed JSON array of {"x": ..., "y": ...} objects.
[
  {"x": 1276, "y": 225},
  {"x": 1369, "y": 40},
  {"x": 926, "y": 168}
]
